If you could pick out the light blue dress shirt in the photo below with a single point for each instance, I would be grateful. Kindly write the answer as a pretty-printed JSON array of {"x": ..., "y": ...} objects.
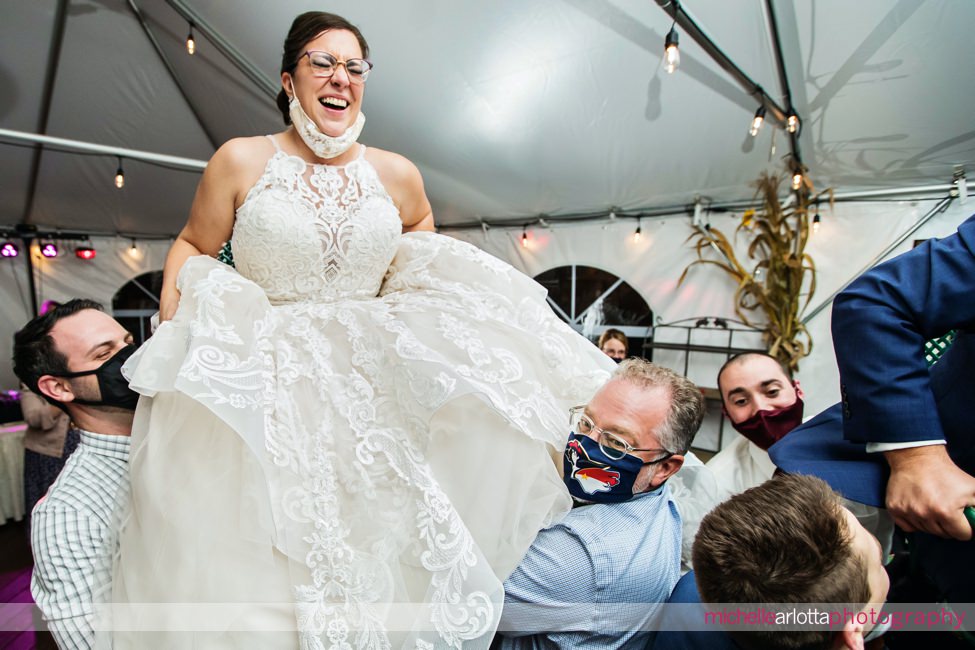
[{"x": 596, "y": 579}]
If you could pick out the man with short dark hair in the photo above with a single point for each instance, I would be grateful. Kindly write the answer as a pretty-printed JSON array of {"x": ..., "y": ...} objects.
[
  {"x": 791, "y": 541},
  {"x": 763, "y": 403},
  {"x": 586, "y": 581},
  {"x": 72, "y": 356}
]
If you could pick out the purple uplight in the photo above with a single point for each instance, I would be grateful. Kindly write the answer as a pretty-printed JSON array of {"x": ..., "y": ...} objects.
[
  {"x": 49, "y": 250},
  {"x": 9, "y": 249}
]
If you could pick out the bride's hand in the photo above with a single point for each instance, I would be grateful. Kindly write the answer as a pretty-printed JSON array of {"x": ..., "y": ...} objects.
[{"x": 168, "y": 302}]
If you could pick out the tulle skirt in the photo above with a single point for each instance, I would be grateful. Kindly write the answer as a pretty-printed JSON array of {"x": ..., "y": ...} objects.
[{"x": 352, "y": 473}]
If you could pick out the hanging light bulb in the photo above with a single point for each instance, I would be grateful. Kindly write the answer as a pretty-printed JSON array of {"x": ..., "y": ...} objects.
[
  {"x": 757, "y": 121},
  {"x": 816, "y": 222},
  {"x": 638, "y": 233},
  {"x": 134, "y": 252},
  {"x": 86, "y": 253},
  {"x": 796, "y": 180},
  {"x": 671, "y": 52},
  {"x": 49, "y": 249},
  {"x": 9, "y": 249},
  {"x": 119, "y": 176},
  {"x": 792, "y": 122},
  {"x": 524, "y": 236},
  {"x": 191, "y": 42}
]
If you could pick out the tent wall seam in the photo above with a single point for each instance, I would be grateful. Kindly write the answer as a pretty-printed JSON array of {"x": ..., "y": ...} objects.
[
  {"x": 251, "y": 71},
  {"x": 50, "y": 75},
  {"x": 172, "y": 71}
]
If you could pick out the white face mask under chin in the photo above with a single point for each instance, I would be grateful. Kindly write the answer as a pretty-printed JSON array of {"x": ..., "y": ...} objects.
[{"x": 323, "y": 146}]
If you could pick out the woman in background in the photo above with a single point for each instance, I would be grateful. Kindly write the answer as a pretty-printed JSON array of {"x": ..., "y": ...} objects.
[{"x": 614, "y": 344}]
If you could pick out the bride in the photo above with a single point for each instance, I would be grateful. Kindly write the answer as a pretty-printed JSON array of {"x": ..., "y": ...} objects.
[{"x": 348, "y": 441}]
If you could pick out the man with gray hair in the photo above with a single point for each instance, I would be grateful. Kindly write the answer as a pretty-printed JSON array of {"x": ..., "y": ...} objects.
[{"x": 587, "y": 581}]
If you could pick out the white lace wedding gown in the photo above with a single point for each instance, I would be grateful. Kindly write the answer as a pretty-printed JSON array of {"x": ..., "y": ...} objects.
[{"x": 357, "y": 432}]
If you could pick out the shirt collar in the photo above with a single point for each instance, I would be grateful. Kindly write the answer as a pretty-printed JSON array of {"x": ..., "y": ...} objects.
[
  {"x": 652, "y": 493},
  {"x": 111, "y": 446}
]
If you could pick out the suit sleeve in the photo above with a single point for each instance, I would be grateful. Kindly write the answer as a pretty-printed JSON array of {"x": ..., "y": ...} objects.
[{"x": 880, "y": 323}]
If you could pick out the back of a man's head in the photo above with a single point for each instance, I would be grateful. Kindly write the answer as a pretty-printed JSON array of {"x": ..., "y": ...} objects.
[
  {"x": 687, "y": 401},
  {"x": 785, "y": 541},
  {"x": 35, "y": 351}
]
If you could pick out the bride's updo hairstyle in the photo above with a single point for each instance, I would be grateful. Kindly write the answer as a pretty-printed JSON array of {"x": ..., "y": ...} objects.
[{"x": 306, "y": 28}]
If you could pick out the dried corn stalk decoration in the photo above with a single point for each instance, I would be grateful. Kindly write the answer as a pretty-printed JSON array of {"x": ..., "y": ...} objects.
[{"x": 782, "y": 280}]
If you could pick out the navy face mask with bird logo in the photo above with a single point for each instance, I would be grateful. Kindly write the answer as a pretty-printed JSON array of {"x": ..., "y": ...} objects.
[{"x": 592, "y": 476}]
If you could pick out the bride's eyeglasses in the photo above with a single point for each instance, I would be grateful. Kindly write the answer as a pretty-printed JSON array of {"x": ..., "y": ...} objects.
[
  {"x": 324, "y": 65},
  {"x": 610, "y": 443}
]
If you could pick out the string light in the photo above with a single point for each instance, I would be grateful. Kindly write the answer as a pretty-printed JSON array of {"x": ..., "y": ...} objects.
[
  {"x": 671, "y": 51},
  {"x": 119, "y": 175},
  {"x": 757, "y": 121},
  {"x": 86, "y": 253},
  {"x": 638, "y": 233},
  {"x": 816, "y": 220},
  {"x": 191, "y": 42},
  {"x": 134, "y": 252},
  {"x": 9, "y": 249},
  {"x": 524, "y": 236},
  {"x": 797, "y": 178},
  {"x": 792, "y": 122}
]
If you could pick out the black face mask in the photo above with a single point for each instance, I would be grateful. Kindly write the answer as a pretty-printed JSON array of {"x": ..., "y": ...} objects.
[{"x": 113, "y": 386}]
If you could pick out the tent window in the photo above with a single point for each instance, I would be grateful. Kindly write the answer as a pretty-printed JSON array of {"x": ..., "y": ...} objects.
[
  {"x": 592, "y": 300},
  {"x": 136, "y": 302}
]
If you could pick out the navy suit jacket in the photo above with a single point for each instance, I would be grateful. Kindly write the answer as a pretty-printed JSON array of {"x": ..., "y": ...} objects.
[{"x": 880, "y": 323}]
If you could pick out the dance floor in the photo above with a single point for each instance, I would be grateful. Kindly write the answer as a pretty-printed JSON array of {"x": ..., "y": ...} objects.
[{"x": 16, "y": 624}]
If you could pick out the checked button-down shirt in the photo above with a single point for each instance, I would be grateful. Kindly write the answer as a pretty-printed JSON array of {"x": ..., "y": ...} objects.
[{"x": 74, "y": 533}]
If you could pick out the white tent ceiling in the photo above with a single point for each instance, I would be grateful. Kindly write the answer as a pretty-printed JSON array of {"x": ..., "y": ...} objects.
[{"x": 511, "y": 108}]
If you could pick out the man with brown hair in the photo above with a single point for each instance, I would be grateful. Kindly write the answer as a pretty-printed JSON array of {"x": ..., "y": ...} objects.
[
  {"x": 72, "y": 356},
  {"x": 791, "y": 541},
  {"x": 763, "y": 403}
]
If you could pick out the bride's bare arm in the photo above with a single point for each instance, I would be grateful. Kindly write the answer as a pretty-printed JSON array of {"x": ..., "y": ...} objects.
[
  {"x": 404, "y": 184},
  {"x": 211, "y": 219}
]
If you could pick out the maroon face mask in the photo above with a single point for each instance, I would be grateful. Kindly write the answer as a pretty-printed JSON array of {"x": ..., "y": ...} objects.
[{"x": 765, "y": 428}]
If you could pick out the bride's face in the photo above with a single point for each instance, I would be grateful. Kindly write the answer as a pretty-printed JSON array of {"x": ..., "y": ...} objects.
[{"x": 334, "y": 102}]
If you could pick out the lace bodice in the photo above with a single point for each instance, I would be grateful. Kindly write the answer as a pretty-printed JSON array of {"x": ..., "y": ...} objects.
[{"x": 316, "y": 232}]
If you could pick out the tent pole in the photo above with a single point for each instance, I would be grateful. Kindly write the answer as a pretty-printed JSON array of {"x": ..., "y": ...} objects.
[
  {"x": 30, "y": 275},
  {"x": 250, "y": 70},
  {"x": 687, "y": 24},
  {"x": 941, "y": 207},
  {"x": 172, "y": 72},
  {"x": 922, "y": 192},
  {"x": 51, "y": 73},
  {"x": 177, "y": 162}
]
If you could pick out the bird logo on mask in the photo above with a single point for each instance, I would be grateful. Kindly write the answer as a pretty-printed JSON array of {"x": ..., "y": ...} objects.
[{"x": 591, "y": 479}]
